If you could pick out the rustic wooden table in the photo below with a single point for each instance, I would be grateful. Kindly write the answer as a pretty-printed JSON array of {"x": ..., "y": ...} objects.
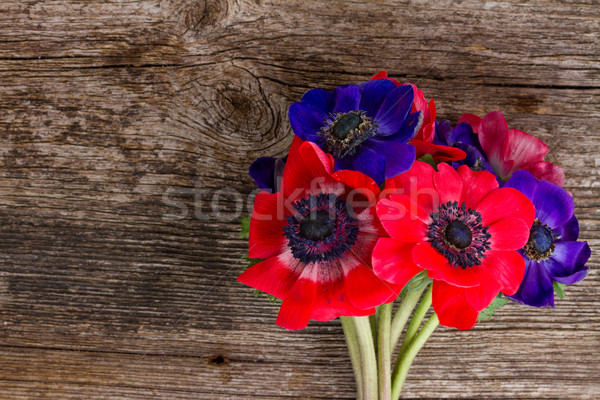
[{"x": 119, "y": 120}]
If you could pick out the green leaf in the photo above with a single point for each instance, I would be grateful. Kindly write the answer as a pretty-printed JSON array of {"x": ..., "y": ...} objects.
[
  {"x": 245, "y": 227},
  {"x": 428, "y": 158},
  {"x": 558, "y": 289},
  {"x": 497, "y": 303}
]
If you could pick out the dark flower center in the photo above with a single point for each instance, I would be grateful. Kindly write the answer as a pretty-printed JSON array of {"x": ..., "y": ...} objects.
[
  {"x": 457, "y": 233},
  {"x": 541, "y": 242},
  {"x": 343, "y": 133},
  {"x": 321, "y": 229},
  {"x": 346, "y": 124},
  {"x": 316, "y": 226}
]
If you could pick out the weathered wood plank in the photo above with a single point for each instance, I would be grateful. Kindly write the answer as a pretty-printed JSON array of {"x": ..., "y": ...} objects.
[{"x": 106, "y": 106}]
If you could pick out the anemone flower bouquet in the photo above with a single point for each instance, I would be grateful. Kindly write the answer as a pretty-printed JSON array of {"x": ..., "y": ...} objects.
[{"x": 379, "y": 212}]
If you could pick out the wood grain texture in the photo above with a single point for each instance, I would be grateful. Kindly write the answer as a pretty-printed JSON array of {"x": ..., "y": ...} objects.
[{"x": 105, "y": 106}]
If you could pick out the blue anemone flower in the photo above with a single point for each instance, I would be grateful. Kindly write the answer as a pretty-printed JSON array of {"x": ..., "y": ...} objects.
[
  {"x": 462, "y": 137},
  {"x": 552, "y": 252},
  {"x": 364, "y": 127}
]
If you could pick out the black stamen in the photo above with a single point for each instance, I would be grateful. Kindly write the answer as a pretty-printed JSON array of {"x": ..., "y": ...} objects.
[
  {"x": 346, "y": 124},
  {"x": 541, "y": 242},
  {"x": 316, "y": 226},
  {"x": 458, "y": 234}
]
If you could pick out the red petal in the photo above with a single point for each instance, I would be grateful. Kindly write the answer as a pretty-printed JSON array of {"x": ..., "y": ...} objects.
[
  {"x": 524, "y": 149},
  {"x": 494, "y": 138},
  {"x": 399, "y": 222},
  {"x": 331, "y": 300},
  {"x": 509, "y": 234},
  {"x": 266, "y": 236},
  {"x": 438, "y": 152},
  {"x": 362, "y": 187},
  {"x": 547, "y": 171},
  {"x": 451, "y": 307},
  {"x": 297, "y": 306},
  {"x": 482, "y": 296},
  {"x": 417, "y": 183},
  {"x": 363, "y": 288},
  {"x": 506, "y": 202},
  {"x": 472, "y": 120},
  {"x": 275, "y": 275},
  {"x": 384, "y": 75},
  {"x": 392, "y": 261},
  {"x": 448, "y": 184},
  {"x": 428, "y": 258},
  {"x": 308, "y": 167},
  {"x": 476, "y": 184},
  {"x": 507, "y": 267}
]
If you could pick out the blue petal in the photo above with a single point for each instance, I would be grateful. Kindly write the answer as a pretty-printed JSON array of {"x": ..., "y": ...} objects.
[
  {"x": 524, "y": 182},
  {"x": 267, "y": 172},
  {"x": 443, "y": 132},
  {"x": 262, "y": 171},
  {"x": 367, "y": 161},
  {"x": 569, "y": 231},
  {"x": 536, "y": 289},
  {"x": 373, "y": 94},
  {"x": 394, "y": 109},
  {"x": 306, "y": 120},
  {"x": 399, "y": 157},
  {"x": 567, "y": 264},
  {"x": 553, "y": 205},
  {"x": 347, "y": 98},
  {"x": 320, "y": 98},
  {"x": 463, "y": 133}
]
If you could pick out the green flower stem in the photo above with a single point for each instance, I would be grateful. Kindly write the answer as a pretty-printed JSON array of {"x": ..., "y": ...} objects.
[
  {"x": 402, "y": 314},
  {"x": 415, "y": 322},
  {"x": 374, "y": 323},
  {"x": 384, "y": 351},
  {"x": 353, "y": 349},
  {"x": 367, "y": 357},
  {"x": 406, "y": 359}
]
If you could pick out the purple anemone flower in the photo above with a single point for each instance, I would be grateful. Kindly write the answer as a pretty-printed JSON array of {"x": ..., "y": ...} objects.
[
  {"x": 267, "y": 172},
  {"x": 364, "y": 127},
  {"x": 462, "y": 137},
  {"x": 552, "y": 252}
]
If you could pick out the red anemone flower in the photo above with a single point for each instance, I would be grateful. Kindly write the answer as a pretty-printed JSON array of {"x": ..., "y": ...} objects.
[
  {"x": 508, "y": 151},
  {"x": 316, "y": 237},
  {"x": 460, "y": 227},
  {"x": 423, "y": 140}
]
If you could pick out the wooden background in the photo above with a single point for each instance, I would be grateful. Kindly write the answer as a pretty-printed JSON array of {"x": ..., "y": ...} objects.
[{"x": 113, "y": 113}]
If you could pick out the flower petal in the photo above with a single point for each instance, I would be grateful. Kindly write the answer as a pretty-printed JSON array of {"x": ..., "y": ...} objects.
[
  {"x": 507, "y": 267},
  {"x": 451, "y": 307},
  {"x": 438, "y": 268},
  {"x": 569, "y": 231},
  {"x": 476, "y": 185},
  {"x": 547, "y": 171},
  {"x": 569, "y": 260},
  {"x": 308, "y": 167},
  {"x": 473, "y": 120},
  {"x": 373, "y": 94},
  {"x": 553, "y": 205},
  {"x": 347, "y": 98},
  {"x": 448, "y": 184},
  {"x": 394, "y": 110},
  {"x": 275, "y": 275},
  {"x": 537, "y": 289},
  {"x": 399, "y": 223},
  {"x": 417, "y": 183},
  {"x": 493, "y": 137},
  {"x": 524, "y": 149},
  {"x": 364, "y": 289},
  {"x": 320, "y": 98},
  {"x": 306, "y": 120},
  {"x": 480, "y": 297},
  {"x": 505, "y": 202},
  {"x": 367, "y": 161},
  {"x": 509, "y": 234},
  {"x": 399, "y": 157},
  {"x": 266, "y": 238},
  {"x": 297, "y": 306},
  {"x": 524, "y": 182},
  {"x": 392, "y": 261}
]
